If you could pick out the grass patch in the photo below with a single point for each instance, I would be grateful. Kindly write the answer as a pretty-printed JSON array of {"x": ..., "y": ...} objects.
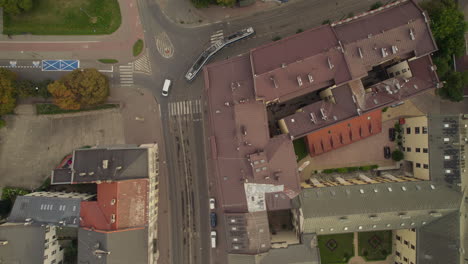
[
  {"x": 108, "y": 61},
  {"x": 375, "y": 245},
  {"x": 51, "y": 109},
  {"x": 336, "y": 249},
  {"x": 137, "y": 47},
  {"x": 276, "y": 38},
  {"x": 300, "y": 148},
  {"x": 65, "y": 17}
]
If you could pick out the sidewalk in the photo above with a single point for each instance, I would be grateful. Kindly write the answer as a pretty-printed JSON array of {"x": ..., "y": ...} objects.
[
  {"x": 183, "y": 12},
  {"x": 117, "y": 45}
]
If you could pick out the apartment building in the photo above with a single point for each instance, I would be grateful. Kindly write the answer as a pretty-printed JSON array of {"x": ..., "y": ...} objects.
[
  {"x": 27, "y": 243},
  {"x": 404, "y": 246},
  {"x": 415, "y": 139}
]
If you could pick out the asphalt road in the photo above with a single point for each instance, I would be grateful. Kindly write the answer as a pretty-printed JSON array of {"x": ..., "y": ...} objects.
[{"x": 183, "y": 120}]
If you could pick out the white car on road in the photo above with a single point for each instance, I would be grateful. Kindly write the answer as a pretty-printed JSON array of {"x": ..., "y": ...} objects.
[{"x": 212, "y": 203}]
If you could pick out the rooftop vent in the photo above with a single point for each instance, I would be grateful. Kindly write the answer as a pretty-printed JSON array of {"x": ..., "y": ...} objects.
[
  {"x": 283, "y": 65},
  {"x": 274, "y": 81},
  {"x": 118, "y": 168},
  {"x": 411, "y": 33},
  {"x": 82, "y": 174},
  {"x": 394, "y": 49},
  {"x": 415, "y": 86},
  {"x": 112, "y": 202},
  {"x": 324, "y": 115},
  {"x": 105, "y": 164},
  {"x": 113, "y": 218},
  {"x": 330, "y": 65},
  {"x": 376, "y": 102},
  {"x": 91, "y": 173},
  {"x": 384, "y": 52},
  {"x": 360, "y": 52},
  {"x": 311, "y": 79},
  {"x": 3, "y": 242},
  {"x": 299, "y": 80},
  {"x": 312, "y": 118}
]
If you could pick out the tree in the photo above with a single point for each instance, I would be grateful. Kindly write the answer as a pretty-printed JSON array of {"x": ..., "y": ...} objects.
[
  {"x": 16, "y": 7},
  {"x": 7, "y": 91},
  {"x": 454, "y": 84},
  {"x": 80, "y": 89},
  {"x": 226, "y": 2},
  {"x": 448, "y": 27},
  {"x": 398, "y": 155}
]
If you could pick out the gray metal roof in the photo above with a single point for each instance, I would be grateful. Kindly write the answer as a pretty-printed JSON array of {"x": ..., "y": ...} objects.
[
  {"x": 25, "y": 244},
  {"x": 305, "y": 253},
  {"x": 89, "y": 165},
  {"x": 439, "y": 241},
  {"x": 61, "y": 176},
  {"x": 382, "y": 206},
  {"x": 46, "y": 210},
  {"x": 438, "y": 148},
  {"x": 126, "y": 246},
  {"x": 377, "y": 198}
]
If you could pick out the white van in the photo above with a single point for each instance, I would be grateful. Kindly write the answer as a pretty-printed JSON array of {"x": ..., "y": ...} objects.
[
  {"x": 167, "y": 85},
  {"x": 213, "y": 239}
]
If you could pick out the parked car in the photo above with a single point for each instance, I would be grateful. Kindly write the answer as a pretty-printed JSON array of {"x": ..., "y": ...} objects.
[
  {"x": 391, "y": 134},
  {"x": 213, "y": 239},
  {"x": 212, "y": 203},
  {"x": 166, "y": 86},
  {"x": 213, "y": 219},
  {"x": 387, "y": 152}
]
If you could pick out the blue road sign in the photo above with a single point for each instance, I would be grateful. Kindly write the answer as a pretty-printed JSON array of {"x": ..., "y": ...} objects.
[{"x": 60, "y": 65}]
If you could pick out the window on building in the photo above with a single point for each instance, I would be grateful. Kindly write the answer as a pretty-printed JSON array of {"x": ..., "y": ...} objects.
[
  {"x": 398, "y": 253},
  {"x": 424, "y": 130},
  {"x": 413, "y": 229},
  {"x": 418, "y": 149},
  {"x": 425, "y": 150},
  {"x": 53, "y": 252},
  {"x": 426, "y": 166},
  {"x": 405, "y": 259},
  {"x": 408, "y": 130},
  {"x": 412, "y": 247},
  {"x": 406, "y": 242},
  {"x": 53, "y": 261},
  {"x": 46, "y": 256},
  {"x": 398, "y": 238},
  {"x": 408, "y": 149},
  {"x": 417, "y": 130},
  {"x": 418, "y": 165}
]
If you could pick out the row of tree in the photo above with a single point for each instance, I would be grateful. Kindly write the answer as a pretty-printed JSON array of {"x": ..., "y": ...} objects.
[
  {"x": 448, "y": 27},
  {"x": 79, "y": 89},
  {"x": 16, "y": 7}
]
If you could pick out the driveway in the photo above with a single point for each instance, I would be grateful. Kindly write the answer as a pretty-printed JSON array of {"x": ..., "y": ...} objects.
[{"x": 31, "y": 146}]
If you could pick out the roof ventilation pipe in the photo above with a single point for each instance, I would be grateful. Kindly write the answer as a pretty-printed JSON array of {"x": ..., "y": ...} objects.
[
  {"x": 311, "y": 79},
  {"x": 330, "y": 65},
  {"x": 299, "y": 80}
]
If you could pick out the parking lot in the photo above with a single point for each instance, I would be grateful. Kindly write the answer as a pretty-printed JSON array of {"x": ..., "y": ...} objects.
[{"x": 31, "y": 146}]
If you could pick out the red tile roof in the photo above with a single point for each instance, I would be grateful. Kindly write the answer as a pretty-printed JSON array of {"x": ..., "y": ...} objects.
[
  {"x": 126, "y": 201},
  {"x": 344, "y": 133}
]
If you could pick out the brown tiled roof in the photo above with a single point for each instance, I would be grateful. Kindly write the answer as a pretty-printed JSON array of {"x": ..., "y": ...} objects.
[
  {"x": 298, "y": 65},
  {"x": 125, "y": 200},
  {"x": 311, "y": 118},
  {"x": 239, "y": 131},
  {"x": 344, "y": 133}
]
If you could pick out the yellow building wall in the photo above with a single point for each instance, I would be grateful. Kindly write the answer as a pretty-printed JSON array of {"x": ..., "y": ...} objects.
[
  {"x": 404, "y": 246},
  {"x": 414, "y": 141}
]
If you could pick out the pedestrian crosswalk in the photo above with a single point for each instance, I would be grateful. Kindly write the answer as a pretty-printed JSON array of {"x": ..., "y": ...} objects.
[
  {"x": 218, "y": 35},
  {"x": 142, "y": 64},
  {"x": 126, "y": 74},
  {"x": 185, "y": 108}
]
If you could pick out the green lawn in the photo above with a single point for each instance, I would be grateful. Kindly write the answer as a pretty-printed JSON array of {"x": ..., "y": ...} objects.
[
  {"x": 108, "y": 61},
  {"x": 138, "y": 47},
  {"x": 375, "y": 245},
  {"x": 300, "y": 148},
  {"x": 51, "y": 109},
  {"x": 337, "y": 252},
  {"x": 66, "y": 17}
]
